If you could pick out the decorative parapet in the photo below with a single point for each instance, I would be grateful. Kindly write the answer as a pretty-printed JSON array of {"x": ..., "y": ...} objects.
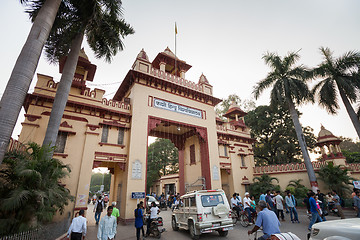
[
  {"x": 286, "y": 168},
  {"x": 353, "y": 167},
  {"x": 175, "y": 79},
  {"x": 15, "y": 145},
  {"x": 116, "y": 104}
]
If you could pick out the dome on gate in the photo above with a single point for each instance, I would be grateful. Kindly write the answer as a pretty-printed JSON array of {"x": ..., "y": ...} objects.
[{"x": 326, "y": 136}]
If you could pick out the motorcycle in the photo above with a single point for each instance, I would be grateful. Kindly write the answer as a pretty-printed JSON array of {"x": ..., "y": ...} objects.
[
  {"x": 333, "y": 209},
  {"x": 156, "y": 227}
]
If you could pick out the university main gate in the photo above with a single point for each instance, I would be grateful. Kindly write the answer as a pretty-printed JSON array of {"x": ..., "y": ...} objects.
[{"x": 156, "y": 100}]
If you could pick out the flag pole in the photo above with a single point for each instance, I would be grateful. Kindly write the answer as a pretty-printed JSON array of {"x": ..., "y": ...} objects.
[{"x": 175, "y": 46}]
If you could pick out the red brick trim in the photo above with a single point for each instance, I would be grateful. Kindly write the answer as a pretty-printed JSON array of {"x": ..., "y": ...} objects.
[
  {"x": 30, "y": 124},
  {"x": 46, "y": 113},
  {"x": 92, "y": 133},
  {"x": 240, "y": 145},
  {"x": 111, "y": 144},
  {"x": 110, "y": 154},
  {"x": 63, "y": 155},
  {"x": 31, "y": 117}
]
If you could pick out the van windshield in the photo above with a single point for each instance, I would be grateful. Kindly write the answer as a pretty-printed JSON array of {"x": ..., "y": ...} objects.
[{"x": 211, "y": 200}]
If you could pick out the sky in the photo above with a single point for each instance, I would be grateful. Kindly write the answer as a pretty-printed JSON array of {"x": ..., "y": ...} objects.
[{"x": 224, "y": 40}]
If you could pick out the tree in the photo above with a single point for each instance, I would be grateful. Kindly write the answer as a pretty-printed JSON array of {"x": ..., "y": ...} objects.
[
  {"x": 350, "y": 149},
  {"x": 299, "y": 190},
  {"x": 24, "y": 69},
  {"x": 101, "y": 22},
  {"x": 163, "y": 159},
  {"x": 336, "y": 178},
  {"x": 31, "y": 191},
  {"x": 275, "y": 137},
  {"x": 98, "y": 179},
  {"x": 289, "y": 88},
  {"x": 262, "y": 184},
  {"x": 343, "y": 73},
  {"x": 246, "y": 105}
]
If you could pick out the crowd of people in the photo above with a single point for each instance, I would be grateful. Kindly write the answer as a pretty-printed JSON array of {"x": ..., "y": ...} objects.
[{"x": 271, "y": 206}]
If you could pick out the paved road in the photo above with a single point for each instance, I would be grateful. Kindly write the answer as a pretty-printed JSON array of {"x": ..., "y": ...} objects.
[{"x": 239, "y": 232}]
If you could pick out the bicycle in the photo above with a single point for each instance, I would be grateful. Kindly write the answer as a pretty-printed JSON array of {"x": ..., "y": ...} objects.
[
  {"x": 234, "y": 216},
  {"x": 244, "y": 220}
]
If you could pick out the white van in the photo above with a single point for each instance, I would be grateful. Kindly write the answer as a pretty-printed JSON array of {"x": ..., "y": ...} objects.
[{"x": 203, "y": 211}]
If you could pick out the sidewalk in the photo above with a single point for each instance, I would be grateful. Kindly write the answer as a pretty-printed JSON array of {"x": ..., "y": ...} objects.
[{"x": 124, "y": 232}]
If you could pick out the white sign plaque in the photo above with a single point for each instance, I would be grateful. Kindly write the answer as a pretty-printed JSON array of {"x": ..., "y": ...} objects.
[
  {"x": 215, "y": 173},
  {"x": 177, "y": 108},
  {"x": 136, "y": 170}
]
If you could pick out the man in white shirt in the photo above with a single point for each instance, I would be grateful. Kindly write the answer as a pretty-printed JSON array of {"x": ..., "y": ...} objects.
[
  {"x": 154, "y": 210},
  {"x": 107, "y": 227},
  {"x": 77, "y": 229},
  {"x": 176, "y": 203},
  {"x": 235, "y": 204},
  {"x": 247, "y": 206},
  {"x": 279, "y": 203}
]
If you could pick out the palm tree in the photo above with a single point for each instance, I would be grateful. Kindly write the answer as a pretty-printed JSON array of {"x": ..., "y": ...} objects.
[
  {"x": 262, "y": 184},
  {"x": 343, "y": 73},
  {"x": 335, "y": 177},
  {"x": 289, "y": 88},
  {"x": 30, "y": 189},
  {"x": 100, "y": 21},
  {"x": 24, "y": 69},
  {"x": 299, "y": 190}
]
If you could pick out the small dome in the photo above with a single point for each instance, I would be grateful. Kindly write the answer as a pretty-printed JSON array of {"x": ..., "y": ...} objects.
[
  {"x": 143, "y": 55},
  {"x": 326, "y": 136},
  {"x": 233, "y": 110}
]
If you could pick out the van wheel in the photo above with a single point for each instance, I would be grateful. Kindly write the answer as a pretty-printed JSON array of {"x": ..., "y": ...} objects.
[
  {"x": 192, "y": 231},
  {"x": 223, "y": 233},
  {"x": 174, "y": 225}
]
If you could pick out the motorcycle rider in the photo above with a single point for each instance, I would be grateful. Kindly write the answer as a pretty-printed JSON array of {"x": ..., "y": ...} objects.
[{"x": 154, "y": 211}]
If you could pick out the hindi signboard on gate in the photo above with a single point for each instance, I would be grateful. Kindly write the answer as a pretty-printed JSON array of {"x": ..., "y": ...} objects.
[
  {"x": 356, "y": 184},
  {"x": 138, "y": 195},
  {"x": 158, "y": 103}
]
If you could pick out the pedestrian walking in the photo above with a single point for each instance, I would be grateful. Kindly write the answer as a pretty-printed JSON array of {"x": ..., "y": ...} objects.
[
  {"x": 107, "y": 226},
  {"x": 315, "y": 213},
  {"x": 139, "y": 223},
  {"x": 357, "y": 202},
  {"x": 269, "y": 202},
  {"x": 291, "y": 203},
  {"x": 279, "y": 202},
  {"x": 98, "y": 208},
  {"x": 115, "y": 212},
  {"x": 77, "y": 229},
  {"x": 336, "y": 200}
]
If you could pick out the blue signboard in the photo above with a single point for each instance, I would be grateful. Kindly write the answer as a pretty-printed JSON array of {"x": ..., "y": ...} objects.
[{"x": 137, "y": 195}]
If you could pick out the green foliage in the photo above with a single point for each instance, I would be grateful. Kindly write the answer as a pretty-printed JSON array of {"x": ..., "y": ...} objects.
[
  {"x": 163, "y": 159},
  {"x": 262, "y": 184},
  {"x": 297, "y": 189},
  {"x": 275, "y": 135},
  {"x": 288, "y": 82},
  {"x": 100, "y": 20},
  {"x": 223, "y": 107},
  {"x": 341, "y": 72},
  {"x": 351, "y": 157},
  {"x": 336, "y": 178},
  {"x": 98, "y": 179},
  {"x": 350, "y": 149},
  {"x": 30, "y": 188}
]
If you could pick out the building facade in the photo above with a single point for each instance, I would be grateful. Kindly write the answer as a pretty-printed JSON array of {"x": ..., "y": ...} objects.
[{"x": 154, "y": 99}]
